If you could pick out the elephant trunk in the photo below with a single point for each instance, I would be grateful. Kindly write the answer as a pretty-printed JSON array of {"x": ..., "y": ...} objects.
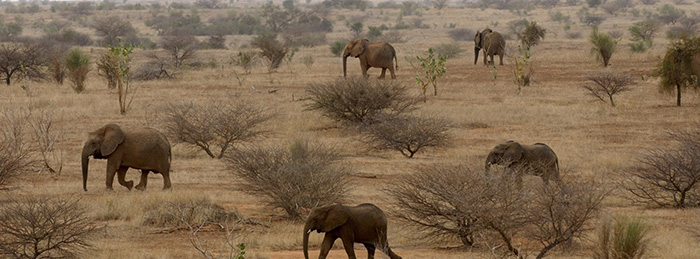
[
  {"x": 476, "y": 54},
  {"x": 489, "y": 160},
  {"x": 345, "y": 64},
  {"x": 85, "y": 160},
  {"x": 307, "y": 230}
]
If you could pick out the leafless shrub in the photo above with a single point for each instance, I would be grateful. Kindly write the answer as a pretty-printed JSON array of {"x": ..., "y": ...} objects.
[
  {"x": 407, "y": 134},
  {"x": 57, "y": 69},
  {"x": 20, "y": 60},
  {"x": 230, "y": 247},
  {"x": 440, "y": 201},
  {"x": 44, "y": 228},
  {"x": 607, "y": 84},
  {"x": 294, "y": 178},
  {"x": 622, "y": 238},
  {"x": 110, "y": 28},
  {"x": 180, "y": 46},
  {"x": 153, "y": 70},
  {"x": 215, "y": 126},
  {"x": 611, "y": 7},
  {"x": 560, "y": 212},
  {"x": 46, "y": 133},
  {"x": 393, "y": 36},
  {"x": 573, "y": 35},
  {"x": 668, "y": 177},
  {"x": 15, "y": 155},
  {"x": 462, "y": 34},
  {"x": 449, "y": 50},
  {"x": 359, "y": 100},
  {"x": 180, "y": 214}
]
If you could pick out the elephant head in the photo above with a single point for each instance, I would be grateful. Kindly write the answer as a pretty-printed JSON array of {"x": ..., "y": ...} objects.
[
  {"x": 353, "y": 48},
  {"x": 100, "y": 144},
  {"x": 323, "y": 219},
  {"x": 505, "y": 154},
  {"x": 479, "y": 42}
]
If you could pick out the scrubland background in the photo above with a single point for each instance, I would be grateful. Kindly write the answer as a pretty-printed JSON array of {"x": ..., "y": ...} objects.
[{"x": 484, "y": 105}]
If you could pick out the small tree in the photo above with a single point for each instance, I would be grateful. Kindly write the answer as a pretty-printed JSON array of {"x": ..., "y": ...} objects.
[
  {"x": 606, "y": 85},
  {"x": 407, "y": 134},
  {"x": 213, "y": 127},
  {"x": 113, "y": 28},
  {"x": 180, "y": 46},
  {"x": 668, "y": 177},
  {"x": 644, "y": 31},
  {"x": 669, "y": 14},
  {"x": 270, "y": 48},
  {"x": 44, "y": 228},
  {"x": 115, "y": 66},
  {"x": 680, "y": 67},
  {"x": 531, "y": 34},
  {"x": 23, "y": 59},
  {"x": 78, "y": 65},
  {"x": 433, "y": 69},
  {"x": 356, "y": 29},
  {"x": 523, "y": 70},
  {"x": 603, "y": 46},
  {"x": 295, "y": 178},
  {"x": 358, "y": 100}
]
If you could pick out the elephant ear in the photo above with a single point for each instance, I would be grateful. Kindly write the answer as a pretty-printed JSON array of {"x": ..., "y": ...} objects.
[
  {"x": 477, "y": 39},
  {"x": 112, "y": 138},
  {"x": 359, "y": 47},
  {"x": 513, "y": 153},
  {"x": 336, "y": 216}
]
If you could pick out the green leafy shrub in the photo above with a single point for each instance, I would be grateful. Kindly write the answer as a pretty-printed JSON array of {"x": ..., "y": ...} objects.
[
  {"x": 603, "y": 46},
  {"x": 337, "y": 47},
  {"x": 78, "y": 66},
  {"x": 622, "y": 238}
]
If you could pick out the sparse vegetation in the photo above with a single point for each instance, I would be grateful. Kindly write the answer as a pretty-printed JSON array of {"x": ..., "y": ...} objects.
[
  {"x": 215, "y": 127},
  {"x": 359, "y": 100},
  {"x": 271, "y": 49},
  {"x": 622, "y": 238},
  {"x": 44, "y": 228},
  {"x": 337, "y": 47},
  {"x": 668, "y": 176},
  {"x": 433, "y": 68},
  {"x": 295, "y": 178},
  {"x": 461, "y": 34},
  {"x": 603, "y": 46},
  {"x": 407, "y": 134},
  {"x": 78, "y": 65},
  {"x": 532, "y": 34},
  {"x": 607, "y": 84},
  {"x": 523, "y": 70},
  {"x": 644, "y": 31}
]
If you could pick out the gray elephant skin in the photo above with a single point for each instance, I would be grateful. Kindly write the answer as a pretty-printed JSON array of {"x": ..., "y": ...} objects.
[
  {"x": 364, "y": 224},
  {"x": 146, "y": 149},
  {"x": 538, "y": 159},
  {"x": 371, "y": 54},
  {"x": 492, "y": 43}
]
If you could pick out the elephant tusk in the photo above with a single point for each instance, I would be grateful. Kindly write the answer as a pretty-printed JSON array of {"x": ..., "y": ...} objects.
[{"x": 309, "y": 231}]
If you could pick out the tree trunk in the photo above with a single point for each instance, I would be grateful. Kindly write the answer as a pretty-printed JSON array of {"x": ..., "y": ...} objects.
[{"x": 678, "y": 97}]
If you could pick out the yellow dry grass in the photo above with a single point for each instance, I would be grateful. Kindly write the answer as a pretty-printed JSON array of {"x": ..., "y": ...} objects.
[{"x": 590, "y": 138}]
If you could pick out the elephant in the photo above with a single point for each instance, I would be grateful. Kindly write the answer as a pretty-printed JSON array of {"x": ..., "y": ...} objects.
[
  {"x": 492, "y": 42},
  {"x": 146, "y": 149},
  {"x": 364, "y": 223},
  {"x": 371, "y": 54},
  {"x": 538, "y": 159}
]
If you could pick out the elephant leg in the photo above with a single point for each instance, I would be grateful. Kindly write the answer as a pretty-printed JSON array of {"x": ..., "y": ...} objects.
[
  {"x": 501, "y": 57},
  {"x": 166, "y": 179},
  {"x": 486, "y": 57},
  {"x": 393, "y": 74},
  {"x": 349, "y": 243},
  {"x": 383, "y": 73},
  {"x": 144, "y": 180},
  {"x": 112, "y": 166},
  {"x": 370, "y": 251},
  {"x": 121, "y": 177},
  {"x": 328, "y": 241}
]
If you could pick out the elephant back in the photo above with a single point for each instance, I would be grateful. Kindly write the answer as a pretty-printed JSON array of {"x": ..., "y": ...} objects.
[{"x": 494, "y": 43}]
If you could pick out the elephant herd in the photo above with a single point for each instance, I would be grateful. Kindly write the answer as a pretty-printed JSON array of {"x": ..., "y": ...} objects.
[
  {"x": 382, "y": 54},
  {"x": 148, "y": 150}
]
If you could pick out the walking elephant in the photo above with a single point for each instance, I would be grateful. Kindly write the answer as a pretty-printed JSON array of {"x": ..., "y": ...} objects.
[
  {"x": 492, "y": 43},
  {"x": 364, "y": 223},
  {"x": 146, "y": 149},
  {"x": 371, "y": 54},
  {"x": 538, "y": 159}
]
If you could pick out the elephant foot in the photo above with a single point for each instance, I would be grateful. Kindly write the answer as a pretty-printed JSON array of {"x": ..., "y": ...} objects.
[
  {"x": 140, "y": 187},
  {"x": 129, "y": 185}
]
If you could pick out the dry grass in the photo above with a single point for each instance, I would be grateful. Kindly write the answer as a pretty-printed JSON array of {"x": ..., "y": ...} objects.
[{"x": 590, "y": 138}]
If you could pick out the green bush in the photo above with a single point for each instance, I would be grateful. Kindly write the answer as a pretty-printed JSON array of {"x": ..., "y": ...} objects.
[
  {"x": 639, "y": 46},
  {"x": 78, "y": 66},
  {"x": 625, "y": 238},
  {"x": 337, "y": 47},
  {"x": 603, "y": 46}
]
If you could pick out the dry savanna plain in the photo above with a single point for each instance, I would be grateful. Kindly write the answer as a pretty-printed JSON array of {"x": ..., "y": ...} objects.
[{"x": 483, "y": 105}]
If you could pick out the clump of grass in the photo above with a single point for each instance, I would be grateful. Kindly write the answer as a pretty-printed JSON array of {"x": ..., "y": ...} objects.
[{"x": 623, "y": 238}]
